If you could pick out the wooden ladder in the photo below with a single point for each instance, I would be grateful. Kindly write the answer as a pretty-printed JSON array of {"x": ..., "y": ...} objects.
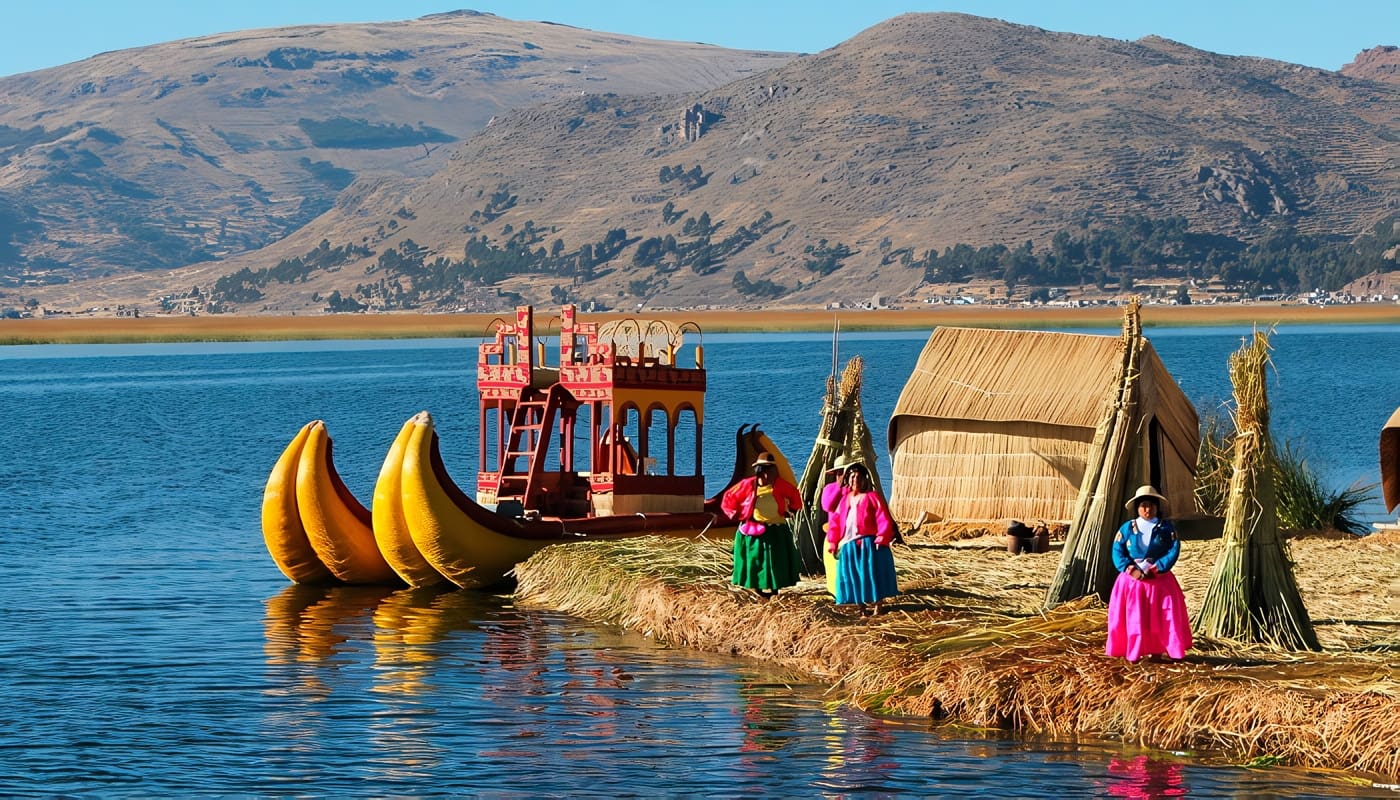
[{"x": 531, "y": 423}]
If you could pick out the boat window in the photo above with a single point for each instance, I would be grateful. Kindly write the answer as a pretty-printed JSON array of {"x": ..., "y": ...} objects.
[
  {"x": 686, "y": 441},
  {"x": 656, "y": 444}
]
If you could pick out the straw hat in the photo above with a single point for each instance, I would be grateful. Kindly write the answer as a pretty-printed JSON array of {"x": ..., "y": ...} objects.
[
  {"x": 765, "y": 459},
  {"x": 1147, "y": 491},
  {"x": 844, "y": 462}
]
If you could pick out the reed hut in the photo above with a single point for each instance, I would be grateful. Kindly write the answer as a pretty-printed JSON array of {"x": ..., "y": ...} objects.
[{"x": 999, "y": 424}]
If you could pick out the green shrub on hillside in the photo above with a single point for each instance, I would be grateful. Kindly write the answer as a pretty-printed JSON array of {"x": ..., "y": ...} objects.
[{"x": 359, "y": 134}]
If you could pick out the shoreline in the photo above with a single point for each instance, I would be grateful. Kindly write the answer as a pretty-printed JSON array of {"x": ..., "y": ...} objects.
[
  {"x": 968, "y": 642},
  {"x": 114, "y": 330}
]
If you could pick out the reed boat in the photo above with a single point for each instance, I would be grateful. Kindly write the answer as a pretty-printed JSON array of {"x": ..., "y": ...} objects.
[{"x": 605, "y": 444}]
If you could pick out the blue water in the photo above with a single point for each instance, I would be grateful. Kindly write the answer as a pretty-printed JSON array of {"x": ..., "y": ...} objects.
[{"x": 151, "y": 648}]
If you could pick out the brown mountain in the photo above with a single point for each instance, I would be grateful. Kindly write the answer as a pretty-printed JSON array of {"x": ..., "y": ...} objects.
[
  {"x": 1376, "y": 64},
  {"x": 204, "y": 148},
  {"x": 821, "y": 175}
]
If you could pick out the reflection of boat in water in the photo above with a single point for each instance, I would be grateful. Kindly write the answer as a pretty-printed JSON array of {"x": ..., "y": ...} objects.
[
  {"x": 307, "y": 623},
  {"x": 619, "y": 389},
  {"x": 408, "y": 626},
  {"x": 1390, "y": 466}
]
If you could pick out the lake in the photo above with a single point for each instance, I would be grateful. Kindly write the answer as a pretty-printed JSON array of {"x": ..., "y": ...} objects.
[{"x": 151, "y": 647}]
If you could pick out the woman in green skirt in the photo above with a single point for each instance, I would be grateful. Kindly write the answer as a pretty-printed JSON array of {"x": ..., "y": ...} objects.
[{"x": 765, "y": 557}]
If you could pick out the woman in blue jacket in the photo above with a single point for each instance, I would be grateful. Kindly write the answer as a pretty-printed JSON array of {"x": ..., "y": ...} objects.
[{"x": 1147, "y": 611}]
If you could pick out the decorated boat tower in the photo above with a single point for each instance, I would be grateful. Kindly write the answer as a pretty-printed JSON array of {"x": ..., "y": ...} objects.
[{"x": 629, "y": 419}]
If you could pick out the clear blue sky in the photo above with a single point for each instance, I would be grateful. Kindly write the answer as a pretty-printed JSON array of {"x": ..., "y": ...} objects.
[{"x": 1321, "y": 33}]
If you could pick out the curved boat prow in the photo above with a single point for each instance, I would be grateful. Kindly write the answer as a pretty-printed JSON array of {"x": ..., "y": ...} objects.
[
  {"x": 762, "y": 442},
  {"x": 390, "y": 527},
  {"x": 283, "y": 532},
  {"x": 336, "y": 523},
  {"x": 458, "y": 537},
  {"x": 1390, "y": 461},
  {"x": 314, "y": 528},
  {"x": 744, "y": 455},
  {"x": 749, "y": 441}
]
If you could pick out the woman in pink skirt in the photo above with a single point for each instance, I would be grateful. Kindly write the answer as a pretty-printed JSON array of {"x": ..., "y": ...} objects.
[{"x": 1147, "y": 611}]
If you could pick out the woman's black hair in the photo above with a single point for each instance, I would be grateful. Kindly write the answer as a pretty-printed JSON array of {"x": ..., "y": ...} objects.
[{"x": 861, "y": 470}]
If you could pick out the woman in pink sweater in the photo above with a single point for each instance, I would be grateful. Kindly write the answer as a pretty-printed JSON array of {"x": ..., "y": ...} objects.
[
  {"x": 765, "y": 556},
  {"x": 859, "y": 535}
]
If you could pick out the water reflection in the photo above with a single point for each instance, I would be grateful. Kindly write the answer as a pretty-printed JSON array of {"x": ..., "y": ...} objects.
[
  {"x": 309, "y": 624},
  {"x": 438, "y": 691},
  {"x": 859, "y": 751},
  {"x": 307, "y": 632},
  {"x": 409, "y": 626},
  {"x": 1145, "y": 777},
  {"x": 765, "y": 724},
  {"x": 411, "y": 630}
]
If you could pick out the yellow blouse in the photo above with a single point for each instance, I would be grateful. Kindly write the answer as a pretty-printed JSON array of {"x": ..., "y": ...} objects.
[{"x": 765, "y": 506}]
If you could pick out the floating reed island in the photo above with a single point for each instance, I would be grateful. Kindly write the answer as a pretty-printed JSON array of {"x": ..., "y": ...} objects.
[{"x": 969, "y": 641}]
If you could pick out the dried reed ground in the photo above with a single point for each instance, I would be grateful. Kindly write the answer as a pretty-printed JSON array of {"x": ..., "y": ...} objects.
[{"x": 966, "y": 640}]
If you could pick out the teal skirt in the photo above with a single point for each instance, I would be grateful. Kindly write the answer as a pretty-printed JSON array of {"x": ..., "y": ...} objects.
[
  {"x": 767, "y": 563},
  {"x": 864, "y": 572}
]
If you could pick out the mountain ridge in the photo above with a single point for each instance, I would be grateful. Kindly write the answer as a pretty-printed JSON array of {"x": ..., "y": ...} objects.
[
  {"x": 157, "y": 156},
  {"x": 871, "y": 141},
  {"x": 922, "y": 132}
]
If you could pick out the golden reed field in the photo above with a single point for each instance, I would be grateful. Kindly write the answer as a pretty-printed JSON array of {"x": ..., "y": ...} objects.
[{"x": 80, "y": 329}]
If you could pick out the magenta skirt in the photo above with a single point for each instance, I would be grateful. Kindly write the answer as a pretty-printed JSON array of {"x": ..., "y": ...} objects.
[{"x": 1147, "y": 618}]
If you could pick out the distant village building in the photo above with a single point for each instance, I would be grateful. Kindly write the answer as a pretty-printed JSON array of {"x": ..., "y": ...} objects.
[{"x": 1375, "y": 287}]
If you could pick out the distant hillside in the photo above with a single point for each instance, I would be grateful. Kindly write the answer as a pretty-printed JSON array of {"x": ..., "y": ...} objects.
[
  {"x": 204, "y": 148},
  {"x": 857, "y": 171},
  {"x": 822, "y": 176},
  {"x": 1376, "y": 64}
]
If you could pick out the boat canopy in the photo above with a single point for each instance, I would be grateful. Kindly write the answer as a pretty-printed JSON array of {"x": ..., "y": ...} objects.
[{"x": 620, "y": 388}]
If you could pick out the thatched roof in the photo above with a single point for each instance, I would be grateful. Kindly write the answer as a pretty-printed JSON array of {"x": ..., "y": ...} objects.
[
  {"x": 1390, "y": 461},
  {"x": 1036, "y": 377}
]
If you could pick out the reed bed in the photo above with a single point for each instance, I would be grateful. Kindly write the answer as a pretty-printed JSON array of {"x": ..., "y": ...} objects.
[
  {"x": 968, "y": 640},
  {"x": 68, "y": 329}
]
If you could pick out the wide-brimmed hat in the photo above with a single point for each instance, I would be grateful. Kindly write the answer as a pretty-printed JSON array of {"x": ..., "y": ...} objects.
[
  {"x": 844, "y": 462},
  {"x": 1147, "y": 491},
  {"x": 765, "y": 459}
]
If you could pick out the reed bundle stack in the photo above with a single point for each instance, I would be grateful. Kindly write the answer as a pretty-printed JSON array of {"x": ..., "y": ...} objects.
[
  {"x": 843, "y": 432},
  {"x": 1253, "y": 596},
  {"x": 1086, "y": 561}
]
